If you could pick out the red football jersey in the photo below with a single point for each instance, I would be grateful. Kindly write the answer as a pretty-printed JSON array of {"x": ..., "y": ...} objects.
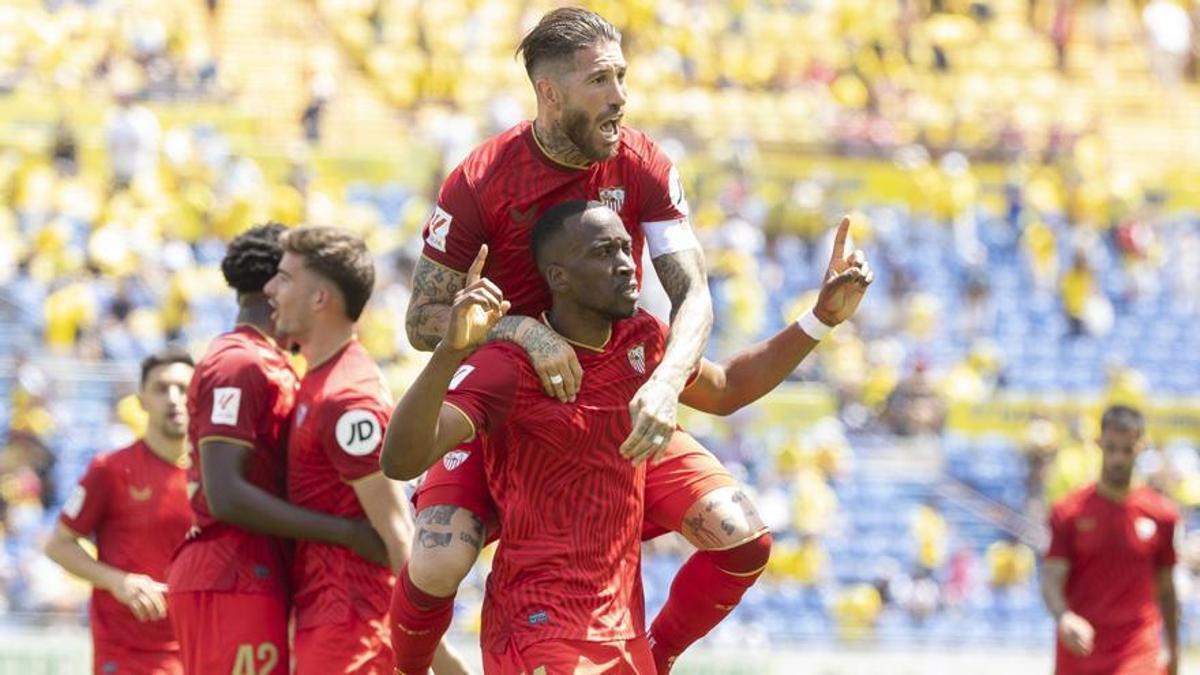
[
  {"x": 570, "y": 505},
  {"x": 497, "y": 194},
  {"x": 1114, "y": 550},
  {"x": 337, "y": 433},
  {"x": 242, "y": 392},
  {"x": 135, "y": 503}
]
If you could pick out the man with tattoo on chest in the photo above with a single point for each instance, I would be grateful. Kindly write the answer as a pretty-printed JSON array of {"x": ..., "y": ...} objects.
[
  {"x": 576, "y": 149},
  {"x": 564, "y": 594}
]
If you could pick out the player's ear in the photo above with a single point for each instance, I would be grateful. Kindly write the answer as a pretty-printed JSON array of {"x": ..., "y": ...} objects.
[
  {"x": 556, "y": 278},
  {"x": 548, "y": 91}
]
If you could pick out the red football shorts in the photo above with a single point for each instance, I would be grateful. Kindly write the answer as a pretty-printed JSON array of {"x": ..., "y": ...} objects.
[
  {"x": 685, "y": 473},
  {"x": 355, "y": 648},
  {"x": 573, "y": 657},
  {"x": 226, "y": 632},
  {"x": 1136, "y": 652},
  {"x": 113, "y": 659}
]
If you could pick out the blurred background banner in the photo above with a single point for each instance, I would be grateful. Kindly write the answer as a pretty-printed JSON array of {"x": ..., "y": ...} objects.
[{"x": 1023, "y": 175}]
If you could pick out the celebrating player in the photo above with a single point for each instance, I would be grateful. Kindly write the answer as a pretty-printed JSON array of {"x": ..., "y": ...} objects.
[
  {"x": 1107, "y": 575},
  {"x": 228, "y": 590},
  {"x": 564, "y": 594},
  {"x": 341, "y": 601},
  {"x": 577, "y": 148},
  {"x": 134, "y": 501}
]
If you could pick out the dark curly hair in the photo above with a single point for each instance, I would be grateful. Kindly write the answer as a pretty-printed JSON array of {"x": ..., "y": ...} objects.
[{"x": 252, "y": 258}]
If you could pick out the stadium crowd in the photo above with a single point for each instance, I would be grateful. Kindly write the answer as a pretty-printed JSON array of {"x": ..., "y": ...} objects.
[{"x": 1062, "y": 277}]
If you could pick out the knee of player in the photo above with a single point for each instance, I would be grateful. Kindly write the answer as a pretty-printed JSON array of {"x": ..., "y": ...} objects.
[
  {"x": 748, "y": 557},
  {"x": 441, "y": 572}
]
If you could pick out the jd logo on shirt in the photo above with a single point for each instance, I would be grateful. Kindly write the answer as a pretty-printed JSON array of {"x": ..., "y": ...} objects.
[
  {"x": 539, "y": 618},
  {"x": 358, "y": 432}
]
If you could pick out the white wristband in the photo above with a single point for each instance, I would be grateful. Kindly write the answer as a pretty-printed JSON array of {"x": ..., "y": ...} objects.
[{"x": 812, "y": 326}]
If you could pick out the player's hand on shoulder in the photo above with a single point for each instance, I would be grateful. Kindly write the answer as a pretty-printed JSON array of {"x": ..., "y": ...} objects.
[
  {"x": 554, "y": 360},
  {"x": 366, "y": 542},
  {"x": 144, "y": 596},
  {"x": 1076, "y": 633},
  {"x": 476, "y": 309},
  {"x": 846, "y": 281}
]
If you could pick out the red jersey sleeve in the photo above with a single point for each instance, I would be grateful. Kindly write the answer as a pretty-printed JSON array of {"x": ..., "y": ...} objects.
[
  {"x": 231, "y": 399},
  {"x": 1173, "y": 536},
  {"x": 85, "y": 509},
  {"x": 485, "y": 385},
  {"x": 663, "y": 208},
  {"x": 1060, "y": 534},
  {"x": 352, "y": 434},
  {"x": 455, "y": 229}
]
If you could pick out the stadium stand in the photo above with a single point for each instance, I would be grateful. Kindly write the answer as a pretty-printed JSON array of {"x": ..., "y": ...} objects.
[{"x": 1034, "y": 259}]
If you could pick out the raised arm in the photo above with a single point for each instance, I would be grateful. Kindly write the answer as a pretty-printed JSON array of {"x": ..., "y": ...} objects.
[
  {"x": 434, "y": 289},
  {"x": 423, "y": 428}
]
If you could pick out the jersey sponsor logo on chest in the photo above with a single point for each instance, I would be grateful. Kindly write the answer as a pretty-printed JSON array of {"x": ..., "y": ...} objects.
[
  {"x": 613, "y": 197},
  {"x": 637, "y": 359}
]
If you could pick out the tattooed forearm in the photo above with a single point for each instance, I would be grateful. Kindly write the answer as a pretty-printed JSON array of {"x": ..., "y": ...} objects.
[
  {"x": 430, "y": 539},
  {"x": 683, "y": 278},
  {"x": 470, "y": 540},
  {"x": 433, "y": 289}
]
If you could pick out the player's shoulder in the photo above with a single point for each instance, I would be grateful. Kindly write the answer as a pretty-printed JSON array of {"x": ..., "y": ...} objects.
[
  {"x": 500, "y": 353},
  {"x": 641, "y": 326},
  {"x": 353, "y": 377},
  {"x": 494, "y": 153},
  {"x": 1156, "y": 503},
  {"x": 640, "y": 149},
  {"x": 238, "y": 350},
  {"x": 114, "y": 459},
  {"x": 1071, "y": 504}
]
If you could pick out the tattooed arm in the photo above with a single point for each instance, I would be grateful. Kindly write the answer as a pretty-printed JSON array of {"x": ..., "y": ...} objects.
[
  {"x": 686, "y": 283},
  {"x": 654, "y": 406},
  {"x": 434, "y": 287}
]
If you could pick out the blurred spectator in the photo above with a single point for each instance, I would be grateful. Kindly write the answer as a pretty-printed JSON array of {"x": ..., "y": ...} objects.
[
  {"x": 131, "y": 141},
  {"x": 1010, "y": 563},
  {"x": 915, "y": 407},
  {"x": 1169, "y": 39},
  {"x": 929, "y": 533},
  {"x": 856, "y": 609}
]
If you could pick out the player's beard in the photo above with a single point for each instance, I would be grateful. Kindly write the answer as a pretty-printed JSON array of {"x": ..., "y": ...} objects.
[
  {"x": 173, "y": 431},
  {"x": 581, "y": 130}
]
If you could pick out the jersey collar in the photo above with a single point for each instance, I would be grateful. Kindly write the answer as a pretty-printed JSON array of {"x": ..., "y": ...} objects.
[{"x": 591, "y": 348}]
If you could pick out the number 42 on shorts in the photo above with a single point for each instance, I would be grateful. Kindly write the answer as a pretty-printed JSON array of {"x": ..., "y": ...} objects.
[{"x": 251, "y": 660}]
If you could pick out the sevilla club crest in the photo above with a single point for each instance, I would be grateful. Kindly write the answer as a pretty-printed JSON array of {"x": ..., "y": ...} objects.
[{"x": 637, "y": 359}]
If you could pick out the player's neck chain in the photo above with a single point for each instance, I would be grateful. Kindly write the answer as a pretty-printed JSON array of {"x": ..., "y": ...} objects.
[{"x": 560, "y": 149}]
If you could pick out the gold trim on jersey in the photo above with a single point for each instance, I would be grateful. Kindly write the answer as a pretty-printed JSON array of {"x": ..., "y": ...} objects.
[
  {"x": 360, "y": 479},
  {"x": 603, "y": 346},
  {"x": 313, "y": 366},
  {"x": 466, "y": 417},
  {"x": 226, "y": 439},
  {"x": 538, "y": 142}
]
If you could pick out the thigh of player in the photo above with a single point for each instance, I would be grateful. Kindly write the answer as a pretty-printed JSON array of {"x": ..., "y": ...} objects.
[
  {"x": 111, "y": 659},
  {"x": 355, "y": 647},
  {"x": 455, "y": 518},
  {"x": 690, "y": 492},
  {"x": 227, "y": 632},
  {"x": 573, "y": 657}
]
